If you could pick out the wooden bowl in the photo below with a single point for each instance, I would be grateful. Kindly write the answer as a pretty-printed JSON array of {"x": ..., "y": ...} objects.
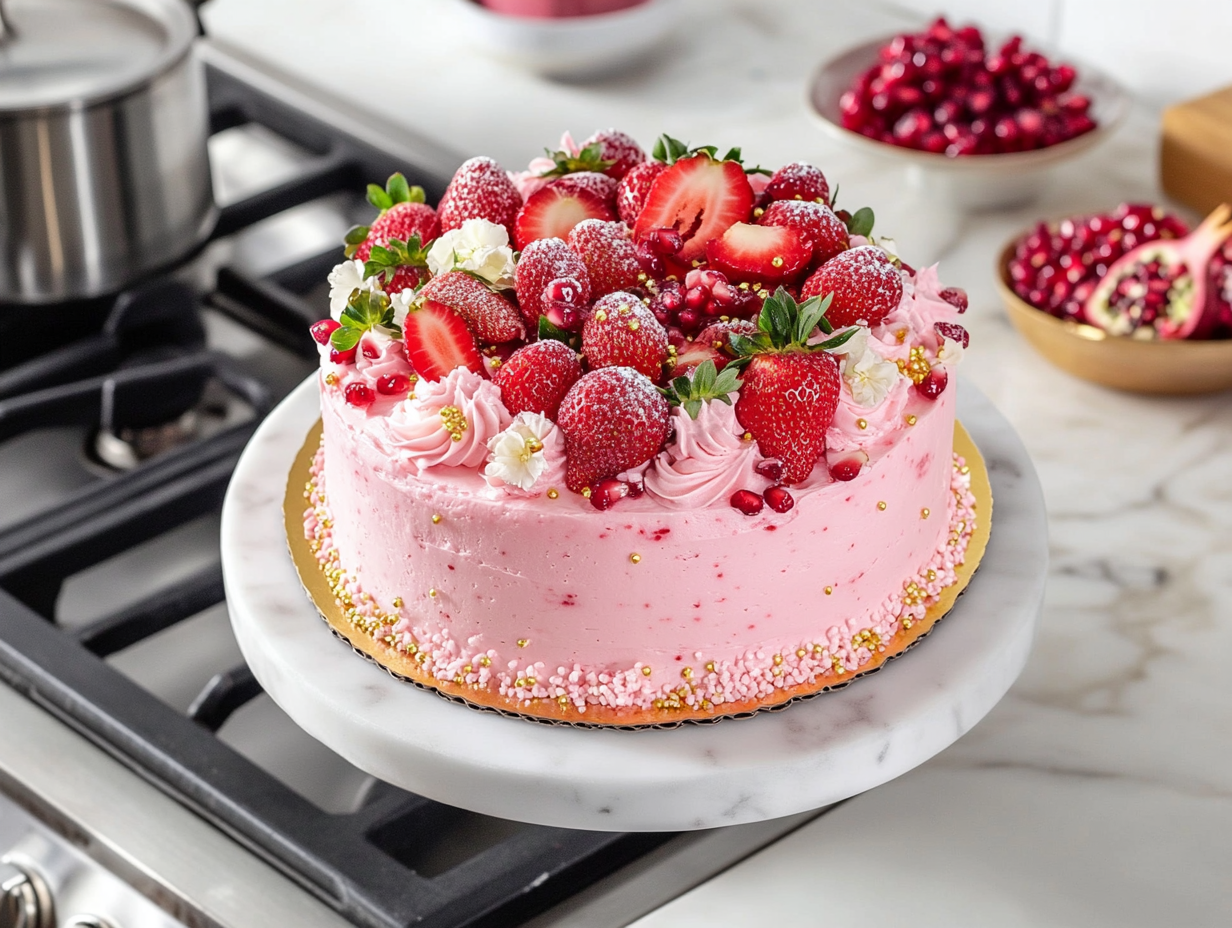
[{"x": 1165, "y": 367}]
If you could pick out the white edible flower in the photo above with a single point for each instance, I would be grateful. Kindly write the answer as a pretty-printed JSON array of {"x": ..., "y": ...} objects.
[
  {"x": 478, "y": 246},
  {"x": 344, "y": 280},
  {"x": 869, "y": 376},
  {"x": 517, "y": 454}
]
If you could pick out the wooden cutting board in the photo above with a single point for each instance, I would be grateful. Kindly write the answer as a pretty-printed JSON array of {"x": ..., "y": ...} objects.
[{"x": 1195, "y": 161}]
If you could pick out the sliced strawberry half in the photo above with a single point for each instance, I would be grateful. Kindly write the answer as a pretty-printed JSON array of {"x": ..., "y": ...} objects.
[
  {"x": 555, "y": 210},
  {"x": 766, "y": 253},
  {"x": 700, "y": 198},
  {"x": 437, "y": 341}
]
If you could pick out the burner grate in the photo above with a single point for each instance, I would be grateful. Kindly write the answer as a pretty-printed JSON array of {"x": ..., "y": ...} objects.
[{"x": 143, "y": 365}]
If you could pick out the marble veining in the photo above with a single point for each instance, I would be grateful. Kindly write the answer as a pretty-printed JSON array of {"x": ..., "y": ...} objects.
[{"x": 807, "y": 756}]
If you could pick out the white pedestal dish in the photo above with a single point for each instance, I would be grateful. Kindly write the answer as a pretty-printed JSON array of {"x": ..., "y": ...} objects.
[{"x": 699, "y": 776}]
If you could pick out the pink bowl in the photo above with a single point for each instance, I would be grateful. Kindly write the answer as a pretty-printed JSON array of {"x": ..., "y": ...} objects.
[{"x": 557, "y": 9}]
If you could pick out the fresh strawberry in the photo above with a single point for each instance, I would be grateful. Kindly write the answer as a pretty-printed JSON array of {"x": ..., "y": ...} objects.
[
  {"x": 554, "y": 211},
  {"x": 693, "y": 354},
  {"x": 618, "y": 148},
  {"x": 622, "y": 332},
  {"x": 489, "y": 316},
  {"x": 600, "y": 185},
  {"x": 759, "y": 253},
  {"x": 790, "y": 389},
  {"x": 536, "y": 378},
  {"x": 401, "y": 221},
  {"x": 631, "y": 194},
  {"x": 700, "y": 198},
  {"x": 437, "y": 341},
  {"x": 541, "y": 262},
  {"x": 866, "y": 286},
  {"x": 824, "y": 232},
  {"x": 799, "y": 181},
  {"x": 480, "y": 190},
  {"x": 609, "y": 254},
  {"x": 613, "y": 420}
]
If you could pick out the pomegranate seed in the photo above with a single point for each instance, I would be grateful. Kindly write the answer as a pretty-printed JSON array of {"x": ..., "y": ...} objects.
[
  {"x": 933, "y": 385},
  {"x": 747, "y": 501},
  {"x": 343, "y": 357},
  {"x": 956, "y": 297},
  {"x": 358, "y": 394},
  {"x": 778, "y": 499},
  {"x": 607, "y": 492},
  {"x": 771, "y": 468},
  {"x": 954, "y": 332},
  {"x": 393, "y": 384},
  {"x": 321, "y": 331},
  {"x": 848, "y": 467}
]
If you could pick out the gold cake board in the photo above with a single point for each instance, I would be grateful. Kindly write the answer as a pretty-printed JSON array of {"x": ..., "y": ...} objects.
[{"x": 403, "y": 667}]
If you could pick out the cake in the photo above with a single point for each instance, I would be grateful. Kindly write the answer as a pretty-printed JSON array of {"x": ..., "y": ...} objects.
[{"x": 687, "y": 452}]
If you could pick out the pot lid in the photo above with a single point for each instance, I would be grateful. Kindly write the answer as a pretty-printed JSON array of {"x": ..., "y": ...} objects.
[{"x": 58, "y": 53}]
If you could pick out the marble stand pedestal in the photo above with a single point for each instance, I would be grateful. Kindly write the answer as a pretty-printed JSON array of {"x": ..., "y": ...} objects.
[{"x": 812, "y": 754}]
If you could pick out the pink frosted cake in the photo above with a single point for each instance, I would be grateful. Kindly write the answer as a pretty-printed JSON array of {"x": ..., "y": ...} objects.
[{"x": 629, "y": 440}]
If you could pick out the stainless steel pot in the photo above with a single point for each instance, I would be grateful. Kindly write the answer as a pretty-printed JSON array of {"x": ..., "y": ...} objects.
[{"x": 104, "y": 176}]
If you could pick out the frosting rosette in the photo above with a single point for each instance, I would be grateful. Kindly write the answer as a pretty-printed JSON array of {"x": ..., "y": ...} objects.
[
  {"x": 919, "y": 310},
  {"x": 447, "y": 422},
  {"x": 378, "y": 355},
  {"x": 706, "y": 462},
  {"x": 868, "y": 429},
  {"x": 528, "y": 457}
]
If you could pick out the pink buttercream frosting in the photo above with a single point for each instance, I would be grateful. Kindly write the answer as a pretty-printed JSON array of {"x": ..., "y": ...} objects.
[
  {"x": 447, "y": 422},
  {"x": 706, "y": 462}
]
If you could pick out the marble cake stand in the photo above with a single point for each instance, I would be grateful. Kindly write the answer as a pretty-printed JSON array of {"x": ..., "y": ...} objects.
[{"x": 699, "y": 776}]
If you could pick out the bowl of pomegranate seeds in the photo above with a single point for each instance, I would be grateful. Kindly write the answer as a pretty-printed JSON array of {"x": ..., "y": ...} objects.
[
  {"x": 982, "y": 119},
  {"x": 1131, "y": 299}
]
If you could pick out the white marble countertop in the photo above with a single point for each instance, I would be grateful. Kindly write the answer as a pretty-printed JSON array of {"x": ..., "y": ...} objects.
[{"x": 1099, "y": 793}]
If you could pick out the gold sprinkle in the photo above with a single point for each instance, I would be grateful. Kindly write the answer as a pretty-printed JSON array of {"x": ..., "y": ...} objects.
[
  {"x": 531, "y": 681},
  {"x": 436, "y": 518},
  {"x": 634, "y": 325},
  {"x": 523, "y": 642},
  {"x": 519, "y": 682},
  {"x": 964, "y": 469},
  {"x": 432, "y": 592},
  {"x": 641, "y": 277},
  {"x": 778, "y": 659},
  {"x": 635, "y": 558},
  {"x": 756, "y": 287},
  {"x": 818, "y": 650},
  {"x": 901, "y": 335},
  {"x": 397, "y": 602},
  {"x": 563, "y": 700},
  {"x": 601, "y": 316},
  {"x": 800, "y": 652},
  {"x": 747, "y": 436},
  {"x": 534, "y": 445},
  {"x": 911, "y": 420},
  {"x": 924, "y": 513},
  {"x": 586, "y": 492},
  {"x": 687, "y": 673},
  {"x": 414, "y": 378},
  {"x": 862, "y": 423},
  {"x": 331, "y": 379},
  {"x": 932, "y": 574},
  {"x": 829, "y": 590},
  {"x": 777, "y": 261},
  {"x": 454, "y": 422},
  {"x": 485, "y": 661},
  {"x": 697, "y": 262},
  {"x": 710, "y": 666},
  {"x": 757, "y": 213},
  {"x": 494, "y": 363},
  {"x": 553, "y": 493},
  {"x": 881, "y": 505},
  {"x": 645, "y": 671}
]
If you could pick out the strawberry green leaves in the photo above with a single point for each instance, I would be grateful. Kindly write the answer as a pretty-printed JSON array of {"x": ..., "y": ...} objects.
[
  {"x": 861, "y": 222},
  {"x": 366, "y": 310},
  {"x": 397, "y": 190},
  {"x": 669, "y": 150},
  {"x": 785, "y": 325},
  {"x": 589, "y": 158},
  {"x": 384, "y": 260},
  {"x": 706, "y": 384},
  {"x": 549, "y": 331}
]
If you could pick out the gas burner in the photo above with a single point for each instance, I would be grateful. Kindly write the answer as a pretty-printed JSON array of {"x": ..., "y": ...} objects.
[{"x": 130, "y": 447}]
